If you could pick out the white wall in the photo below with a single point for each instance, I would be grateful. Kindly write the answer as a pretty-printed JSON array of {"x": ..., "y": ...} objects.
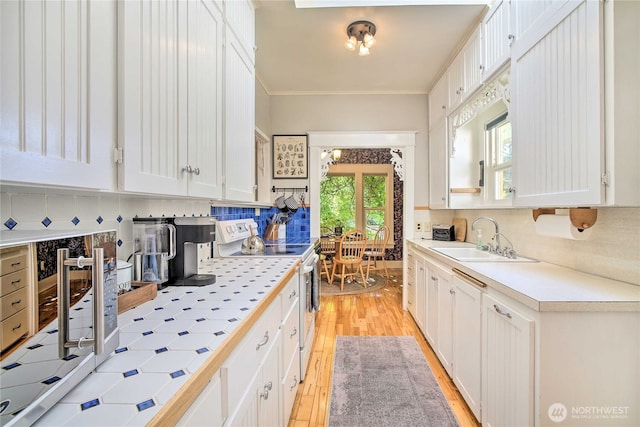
[{"x": 303, "y": 113}]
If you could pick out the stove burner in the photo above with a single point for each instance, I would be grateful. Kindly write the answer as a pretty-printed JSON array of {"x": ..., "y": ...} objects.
[{"x": 199, "y": 280}]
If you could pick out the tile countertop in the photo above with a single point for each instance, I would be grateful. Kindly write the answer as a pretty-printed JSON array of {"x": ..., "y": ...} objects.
[
  {"x": 167, "y": 342},
  {"x": 543, "y": 286}
]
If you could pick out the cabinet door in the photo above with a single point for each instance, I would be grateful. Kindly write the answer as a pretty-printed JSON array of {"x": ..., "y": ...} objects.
[
  {"x": 438, "y": 161},
  {"x": 240, "y": 15},
  {"x": 204, "y": 135},
  {"x": 496, "y": 37},
  {"x": 152, "y": 96},
  {"x": 431, "y": 327},
  {"x": 269, "y": 390},
  {"x": 444, "y": 348},
  {"x": 421, "y": 292},
  {"x": 556, "y": 106},
  {"x": 58, "y": 93},
  {"x": 467, "y": 342},
  {"x": 456, "y": 81},
  {"x": 473, "y": 64},
  {"x": 439, "y": 101},
  {"x": 239, "y": 113},
  {"x": 410, "y": 280},
  {"x": 507, "y": 357},
  {"x": 207, "y": 408}
]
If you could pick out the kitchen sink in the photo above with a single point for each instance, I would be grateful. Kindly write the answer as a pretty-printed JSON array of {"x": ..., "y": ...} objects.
[{"x": 475, "y": 255}]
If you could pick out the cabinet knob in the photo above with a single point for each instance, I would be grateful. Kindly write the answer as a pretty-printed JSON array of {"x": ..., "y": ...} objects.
[
  {"x": 511, "y": 189},
  {"x": 196, "y": 171},
  {"x": 293, "y": 333},
  {"x": 294, "y": 383},
  {"x": 187, "y": 169},
  {"x": 452, "y": 292}
]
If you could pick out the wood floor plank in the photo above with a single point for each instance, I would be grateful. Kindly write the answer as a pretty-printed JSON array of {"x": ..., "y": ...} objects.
[{"x": 370, "y": 314}]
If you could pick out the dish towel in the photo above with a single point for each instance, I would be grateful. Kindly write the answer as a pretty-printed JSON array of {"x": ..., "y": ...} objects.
[{"x": 315, "y": 291}]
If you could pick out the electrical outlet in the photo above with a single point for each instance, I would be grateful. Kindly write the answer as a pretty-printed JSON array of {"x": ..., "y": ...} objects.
[{"x": 419, "y": 227}]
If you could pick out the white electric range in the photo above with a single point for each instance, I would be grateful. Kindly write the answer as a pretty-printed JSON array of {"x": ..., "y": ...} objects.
[{"x": 228, "y": 244}]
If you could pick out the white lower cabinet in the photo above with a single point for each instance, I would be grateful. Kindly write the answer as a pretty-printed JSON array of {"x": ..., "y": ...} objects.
[
  {"x": 508, "y": 364},
  {"x": 467, "y": 342},
  {"x": 257, "y": 384},
  {"x": 518, "y": 366},
  {"x": 421, "y": 295},
  {"x": 207, "y": 409},
  {"x": 433, "y": 309}
]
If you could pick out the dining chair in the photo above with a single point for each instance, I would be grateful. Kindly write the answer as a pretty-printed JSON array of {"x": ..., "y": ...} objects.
[
  {"x": 347, "y": 262},
  {"x": 378, "y": 251},
  {"x": 327, "y": 253}
]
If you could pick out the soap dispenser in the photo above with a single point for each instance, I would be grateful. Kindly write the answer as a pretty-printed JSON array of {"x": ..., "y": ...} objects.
[{"x": 479, "y": 239}]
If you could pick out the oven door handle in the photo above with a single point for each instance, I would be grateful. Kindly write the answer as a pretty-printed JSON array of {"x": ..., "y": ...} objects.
[{"x": 308, "y": 268}]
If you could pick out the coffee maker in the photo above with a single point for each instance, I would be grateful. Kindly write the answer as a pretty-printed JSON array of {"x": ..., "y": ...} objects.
[
  {"x": 169, "y": 251},
  {"x": 154, "y": 246},
  {"x": 194, "y": 242}
]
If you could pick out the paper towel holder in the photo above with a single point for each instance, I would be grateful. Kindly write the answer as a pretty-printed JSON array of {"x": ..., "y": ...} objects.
[{"x": 581, "y": 218}]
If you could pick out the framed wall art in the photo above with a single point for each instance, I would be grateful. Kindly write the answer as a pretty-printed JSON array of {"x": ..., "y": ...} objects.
[{"x": 290, "y": 157}]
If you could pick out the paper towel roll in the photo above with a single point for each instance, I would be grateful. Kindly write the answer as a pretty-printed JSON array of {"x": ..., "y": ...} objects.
[{"x": 560, "y": 226}]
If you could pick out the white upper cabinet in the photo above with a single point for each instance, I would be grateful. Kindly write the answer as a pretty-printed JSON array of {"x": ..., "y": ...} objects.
[
  {"x": 497, "y": 38},
  {"x": 439, "y": 101},
  {"x": 170, "y": 98},
  {"x": 240, "y": 16},
  {"x": 58, "y": 93},
  {"x": 239, "y": 106},
  {"x": 556, "y": 107},
  {"x": 465, "y": 72},
  {"x": 575, "y": 120},
  {"x": 438, "y": 161}
]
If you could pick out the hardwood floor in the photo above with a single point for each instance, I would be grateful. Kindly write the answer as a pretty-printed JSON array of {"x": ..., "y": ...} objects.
[{"x": 373, "y": 313}]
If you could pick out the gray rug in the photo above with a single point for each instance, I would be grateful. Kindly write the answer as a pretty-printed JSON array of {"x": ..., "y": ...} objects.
[{"x": 385, "y": 381}]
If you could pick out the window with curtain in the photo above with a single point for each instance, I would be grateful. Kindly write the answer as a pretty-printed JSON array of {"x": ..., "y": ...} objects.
[{"x": 357, "y": 196}]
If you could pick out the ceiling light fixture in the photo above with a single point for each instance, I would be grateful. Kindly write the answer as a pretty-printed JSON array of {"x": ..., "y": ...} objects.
[{"x": 360, "y": 34}]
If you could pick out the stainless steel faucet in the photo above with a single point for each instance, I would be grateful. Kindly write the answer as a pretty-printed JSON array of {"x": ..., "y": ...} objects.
[{"x": 495, "y": 224}]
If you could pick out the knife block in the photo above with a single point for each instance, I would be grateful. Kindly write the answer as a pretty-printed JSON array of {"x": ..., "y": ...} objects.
[{"x": 275, "y": 232}]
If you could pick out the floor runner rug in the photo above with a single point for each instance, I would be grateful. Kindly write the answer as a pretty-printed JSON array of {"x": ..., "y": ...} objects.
[{"x": 385, "y": 381}]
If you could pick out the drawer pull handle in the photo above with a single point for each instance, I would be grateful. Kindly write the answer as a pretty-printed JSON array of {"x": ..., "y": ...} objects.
[
  {"x": 293, "y": 333},
  {"x": 16, "y": 302},
  {"x": 265, "y": 340},
  {"x": 15, "y": 282},
  {"x": 451, "y": 291},
  {"x": 267, "y": 388},
  {"x": 15, "y": 264},
  {"x": 293, "y": 294},
  {"x": 18, "y": 326},
  {"x": 499, "y": 311},
  {"x": 294, "y": 383}
]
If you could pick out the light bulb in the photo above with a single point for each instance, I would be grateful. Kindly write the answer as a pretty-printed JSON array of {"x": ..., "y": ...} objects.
[
  {"x": 364, "y": 51},
  {"x": 368, "y": 40},
  {"x": 350, "y": 43}
]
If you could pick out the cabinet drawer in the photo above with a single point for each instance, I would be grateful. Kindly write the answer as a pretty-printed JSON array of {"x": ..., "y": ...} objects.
[
  {"x": 290, "y": 294},
  {"x": 13, "y": 328},
  {"x": 291, "y": 336},
  {"x": 242, "y": 365},
  {"x": 12, "y": 261},
  {"x": 12, "y": 303},
  {"x": 12, "y": 282},
  {"x": 290, "y": 386}
]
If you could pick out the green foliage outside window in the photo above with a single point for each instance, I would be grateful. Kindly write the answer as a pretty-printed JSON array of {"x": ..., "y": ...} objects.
[{"x": 338, "y": 203}]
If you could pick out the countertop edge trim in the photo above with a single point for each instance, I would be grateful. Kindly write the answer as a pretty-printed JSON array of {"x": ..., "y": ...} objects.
[{"x": 173, "y": 410}]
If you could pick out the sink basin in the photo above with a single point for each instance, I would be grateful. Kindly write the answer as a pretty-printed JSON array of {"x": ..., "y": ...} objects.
[{"x": 475, "y": 255}]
